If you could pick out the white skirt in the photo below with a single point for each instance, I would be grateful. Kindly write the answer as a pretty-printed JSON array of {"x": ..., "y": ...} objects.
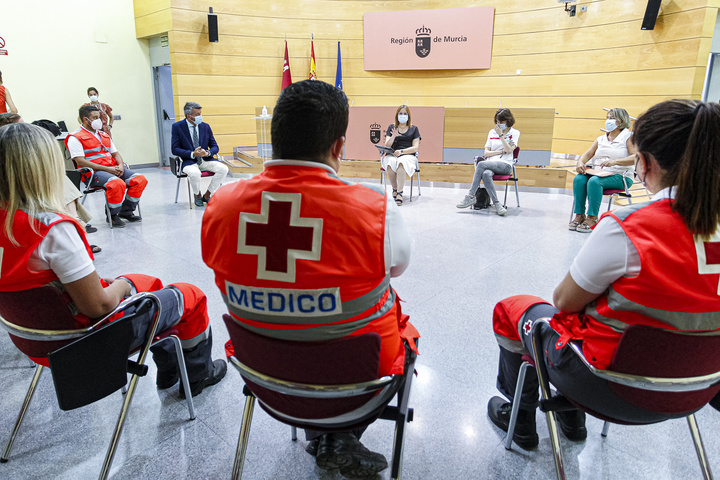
[{"x": 407, "y": 161}]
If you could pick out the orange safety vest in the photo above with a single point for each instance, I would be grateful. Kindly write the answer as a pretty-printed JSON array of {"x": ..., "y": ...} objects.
[
  {"x": 678, "y": 287},
  {"x": 96, "y": 151},
  {"x": 299, "y": 255},
  {"x": 3, "y": 106}
]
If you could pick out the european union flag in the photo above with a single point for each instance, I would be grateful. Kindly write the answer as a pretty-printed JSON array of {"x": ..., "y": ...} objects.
[{"x": 338, "y": 74}]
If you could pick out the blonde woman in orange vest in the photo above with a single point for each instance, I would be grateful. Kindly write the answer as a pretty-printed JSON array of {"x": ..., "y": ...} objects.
[
  {"x": 43, "y": 246},
  {"x": 6, "y": 102},
  {"x": 640, "y": 265}
]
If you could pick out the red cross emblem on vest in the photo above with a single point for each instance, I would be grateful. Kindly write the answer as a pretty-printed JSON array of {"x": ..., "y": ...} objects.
[
  {"x": 708, "y": 255},
  {"x": 527, "y": 327},
  {"x": 279, "y": 236}
]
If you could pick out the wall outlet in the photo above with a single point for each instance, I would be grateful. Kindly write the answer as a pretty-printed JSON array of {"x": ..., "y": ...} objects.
[{"x": 583, "y": 8}]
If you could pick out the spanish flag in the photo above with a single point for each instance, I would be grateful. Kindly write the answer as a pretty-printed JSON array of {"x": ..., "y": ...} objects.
[{"x": 313, "y": 74}]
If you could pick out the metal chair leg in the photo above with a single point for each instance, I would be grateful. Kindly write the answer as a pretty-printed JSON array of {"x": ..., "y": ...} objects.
[
  {"x": 546, "y": 395},
  {"x": 243, "y": 438},
  {"x": 23, "y": 410},
  {"x": 177, "y": 190},
  {"x": 190, "y": 199},
  {"x": 507, "y": 182},
  {"x": 402, "y": 419},
  {"x": 417, "y": 172},
  {"x": 411, "y": 186},
  {"x": 605, "y": 429},
  {"x": 517, "y": 195},
  {"x": 699, "y": 447},
  {"x": 516, "y": 405},
  {"x": 183, "y": 374},
  {"x": 118, "y": 429},
  {"x": 293, "y": 434}
]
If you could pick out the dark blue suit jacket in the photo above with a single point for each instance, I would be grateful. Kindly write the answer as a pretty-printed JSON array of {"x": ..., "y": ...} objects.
[{"x": 182, "y": 145}]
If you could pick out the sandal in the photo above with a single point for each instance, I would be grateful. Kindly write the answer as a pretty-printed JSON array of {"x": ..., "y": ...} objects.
[
  {"x": 394, "y": 194},
  {"x": 399, "y": 199},
  {"x": 95, "y": 249},
  {"x": 573, "y": 225}
]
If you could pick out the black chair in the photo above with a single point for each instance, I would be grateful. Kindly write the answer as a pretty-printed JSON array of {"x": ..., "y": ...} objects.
[
  {"x": 87, "y": 364},
  {"x": 295, "y": 384},
  {"x": 683, "y": 376}
]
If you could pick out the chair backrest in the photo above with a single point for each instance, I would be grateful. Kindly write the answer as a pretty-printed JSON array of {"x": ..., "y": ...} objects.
[
  {"x": 174, "y": 165},
  {"x": 654, "y": 352},
  {"x": 334, "y": 362},
  {"x": 44, "y": 308}
]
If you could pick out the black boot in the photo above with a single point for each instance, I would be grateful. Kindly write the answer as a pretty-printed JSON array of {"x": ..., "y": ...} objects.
[
  {"x": 202, "y": 370},
  {"x": 165, "y": 358},
  {"x": 525, "y": 434}
]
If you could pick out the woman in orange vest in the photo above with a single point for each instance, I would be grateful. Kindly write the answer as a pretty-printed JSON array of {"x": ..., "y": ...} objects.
[
  {"x": 40, "y": 245},
  {"x": 653, "y": 264}
]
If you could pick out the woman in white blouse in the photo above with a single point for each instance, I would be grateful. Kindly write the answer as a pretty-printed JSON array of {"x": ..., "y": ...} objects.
[
  {"x": 611, "y": 155},
  {"x": 501, "y": 142}
]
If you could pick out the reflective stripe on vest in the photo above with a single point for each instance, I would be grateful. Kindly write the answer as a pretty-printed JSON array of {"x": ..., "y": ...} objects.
[
  {"x": 320, "y": 332},
  {"x": 672, "y": 289}
]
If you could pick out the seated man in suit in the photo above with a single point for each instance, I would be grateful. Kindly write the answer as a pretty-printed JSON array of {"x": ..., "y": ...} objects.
[
  {"x": 297, "y": 233},
  {"x": 90, "y": 147},
  {"x": 193, "y": 141}
]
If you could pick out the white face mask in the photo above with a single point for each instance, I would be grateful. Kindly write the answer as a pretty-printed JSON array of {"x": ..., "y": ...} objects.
[
  {"x": 198, "y": 120},
  {"x": 402, "y": 118},
  {"x": 610, "y": 124},
  {"x": 502, "y": 126},
  {"x": 96, "y": 124},
  {"x": 93, "y": 98}
]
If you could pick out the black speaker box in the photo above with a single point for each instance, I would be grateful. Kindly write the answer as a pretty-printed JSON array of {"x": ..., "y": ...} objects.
[
  {"x": 212, "y": 28},
  {"x": 651, "y": 14}
]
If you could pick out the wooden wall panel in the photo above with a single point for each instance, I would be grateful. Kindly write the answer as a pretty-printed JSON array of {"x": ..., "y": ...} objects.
[{"x": 576, "y": 66}]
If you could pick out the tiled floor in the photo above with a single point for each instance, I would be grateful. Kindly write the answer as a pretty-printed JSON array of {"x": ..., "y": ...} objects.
[{"x": 462, "y": 263}]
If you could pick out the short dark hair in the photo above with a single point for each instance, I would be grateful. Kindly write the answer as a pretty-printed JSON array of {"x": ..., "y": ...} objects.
[
  {"x": 506, "y": 116},
  {"x": 308, "y": 118},
  {"x": 92, "y": 89},
  {"x": 8, "y": 118},
  {"x": 85, "y": 111}
]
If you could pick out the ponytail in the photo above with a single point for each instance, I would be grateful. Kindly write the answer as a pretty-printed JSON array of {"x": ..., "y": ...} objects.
[
  {"x": 698, "y": 180},
  {"x": 684, "y": 138}
]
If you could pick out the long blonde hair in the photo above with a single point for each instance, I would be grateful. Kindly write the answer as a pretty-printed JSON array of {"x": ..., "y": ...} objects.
[{"x": 31, "y": 173}]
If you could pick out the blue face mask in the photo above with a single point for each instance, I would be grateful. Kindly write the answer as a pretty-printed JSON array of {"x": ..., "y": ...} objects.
[
  {"x": 610, "y": 124},
  {"x": 198, "y": 120},
  {"x": 502, "y": 126},
  {"x": 402, "y": 118}
]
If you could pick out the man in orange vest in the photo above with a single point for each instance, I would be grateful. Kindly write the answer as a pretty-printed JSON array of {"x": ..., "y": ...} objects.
[
  {"x": 90, "y": 147},
  {"x": 313, "y": 253}
]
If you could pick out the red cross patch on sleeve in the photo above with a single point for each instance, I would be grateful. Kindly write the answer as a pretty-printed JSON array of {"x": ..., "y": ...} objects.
[
  {"x": 279, "y": 236},
  {"x": 708, "y": 255}
]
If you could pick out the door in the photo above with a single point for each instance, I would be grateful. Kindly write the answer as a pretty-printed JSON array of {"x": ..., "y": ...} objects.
[{"x": 164, "y": 110}]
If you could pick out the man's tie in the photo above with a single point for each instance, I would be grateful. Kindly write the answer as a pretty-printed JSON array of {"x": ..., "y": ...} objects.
[{"x": 196, "y": 141}]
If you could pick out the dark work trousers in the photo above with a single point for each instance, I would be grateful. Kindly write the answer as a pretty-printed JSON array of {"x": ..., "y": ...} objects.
[
  {"x": 197, "y": 359},
  {"x": 567, "y": 374}
]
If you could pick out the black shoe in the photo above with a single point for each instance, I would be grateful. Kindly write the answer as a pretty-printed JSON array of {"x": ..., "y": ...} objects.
[
  {"x": 116, "y": 221},
  {"x": 130, "y": 217},
  {"x": 312, "y": 446},
  {"x": 525, "y": 434},
  {"x": 572, "y": 424},
  {"x": 166, "y": 379},
  {"x": 90, "y": 229},
  {"x": 219, "y": 370},
  {"x": 206, "y": 198},
  {"x": 344, "y": 451},
  {"x": 199, "y": 201}
]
